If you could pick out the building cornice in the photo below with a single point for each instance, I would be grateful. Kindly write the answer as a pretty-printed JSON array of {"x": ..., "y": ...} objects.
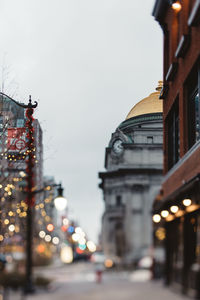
[
  {"x": 160, "y": 9},
  {"x": 128, "y": 171},
  {"x": 141, "y": 119},
  {"x": 179, "y": 194},
  {"x": 181, "y": 161}
]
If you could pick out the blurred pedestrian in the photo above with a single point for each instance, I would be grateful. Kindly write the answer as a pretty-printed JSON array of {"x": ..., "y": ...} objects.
[
  {"x": 3, "y": 262},
  {"x": 99, "y": 272}
]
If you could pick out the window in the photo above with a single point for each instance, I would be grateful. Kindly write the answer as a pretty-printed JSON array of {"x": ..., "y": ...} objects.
[
  {"x": 118, "y": 201},
  {"x": 149, "y": 140},
  {"x": 166, "y": 51},
  {"x": 20, "y": 122},
  {"x": 173, "y": 135},
  {"x": 193, "y": 109}
]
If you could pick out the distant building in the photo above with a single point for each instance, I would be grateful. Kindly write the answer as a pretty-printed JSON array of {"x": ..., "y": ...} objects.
[
  {"x": 133, "y": 163},
  {"x": 13, "y": 157},
  {"x": 13, "y": 143},
  {"x": 177, "y": 209}
]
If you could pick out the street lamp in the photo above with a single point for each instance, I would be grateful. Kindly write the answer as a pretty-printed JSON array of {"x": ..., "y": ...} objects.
[
  {"x": 60, "y": 202},
  {"x": 29, "y": 288}
]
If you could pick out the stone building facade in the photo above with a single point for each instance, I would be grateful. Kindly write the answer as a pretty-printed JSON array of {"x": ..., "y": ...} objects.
[{"x": 133, "y": 163}]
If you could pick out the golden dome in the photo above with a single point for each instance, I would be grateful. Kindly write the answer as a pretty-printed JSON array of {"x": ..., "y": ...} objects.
[{"x": 148, "y": 105}]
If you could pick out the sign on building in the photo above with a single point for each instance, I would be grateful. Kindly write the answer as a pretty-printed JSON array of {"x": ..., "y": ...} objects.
[{"x": 16, "y": 139}]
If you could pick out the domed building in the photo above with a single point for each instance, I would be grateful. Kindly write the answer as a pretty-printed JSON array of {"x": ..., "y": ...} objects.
[{"x": 133, "y": 162}]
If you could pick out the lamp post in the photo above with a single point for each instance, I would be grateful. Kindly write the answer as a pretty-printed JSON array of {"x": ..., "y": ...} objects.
[
  {"x": 60, "y": 202},
  {"x": 30, "y": 184},
  {"x": 29, "y": 288}
]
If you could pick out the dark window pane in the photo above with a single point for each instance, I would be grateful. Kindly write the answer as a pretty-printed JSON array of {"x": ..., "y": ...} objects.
[
  {"x": 173, "y": 136},
  {"x": 197, "y": 127},
  {"x": 118, "y": 201},
  {"x": 193, "y": 118}
]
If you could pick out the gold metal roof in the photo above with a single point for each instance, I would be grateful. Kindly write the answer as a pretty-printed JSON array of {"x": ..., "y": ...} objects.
[{"x": 148, "y": 105}]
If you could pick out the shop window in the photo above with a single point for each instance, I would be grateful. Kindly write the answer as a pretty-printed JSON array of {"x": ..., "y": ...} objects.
[
  {"x": 193, "y": 108},
  {"x": 173, "y": 135}
]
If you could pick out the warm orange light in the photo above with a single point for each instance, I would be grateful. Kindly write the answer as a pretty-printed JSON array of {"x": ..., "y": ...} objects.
[
  {"x": 176, "y": 6},
  {"x": 50, "y": 227},
  {"x": 63, "y": 228},
  {"x": 40, "y": 248},
  {"x": 79, "y": 251},
  {"x": 108, "y": 263}
]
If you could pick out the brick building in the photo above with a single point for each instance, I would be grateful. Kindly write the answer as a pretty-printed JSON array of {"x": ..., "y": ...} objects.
[{"x": 177, "y": 208}]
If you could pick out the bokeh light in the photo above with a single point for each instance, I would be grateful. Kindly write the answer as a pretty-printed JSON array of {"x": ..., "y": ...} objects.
[{"x": 66, "y": 254}]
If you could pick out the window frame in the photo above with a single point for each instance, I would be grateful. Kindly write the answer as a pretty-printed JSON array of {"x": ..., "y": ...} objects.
[{"x": 193, "y": 114}]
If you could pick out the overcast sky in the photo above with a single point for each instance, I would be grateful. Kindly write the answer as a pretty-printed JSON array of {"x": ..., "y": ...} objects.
[{"x": 87, "y": 62}]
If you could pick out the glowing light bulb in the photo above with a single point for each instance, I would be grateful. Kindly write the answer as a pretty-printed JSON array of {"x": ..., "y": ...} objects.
[
  {"x": 42, "y": 234},
  {"x": 75, "y": 237},
  {"x": 50, "y": 227},
  {"x": 78, "y": 230},
  {"x": 176, "y": 6},
  {"x": 156, "y": 218},
  {"x": 65, "y": 221},
  {"x": 60, "y": 203},
  {"x": 174, "y": 208},
  {"x": 187, "y": 202},
  {"x": 11, "y": 227},
  {"x": 91, "y": 246},
  {"x": 47, "y": 238},
  {"x": 55, "y": 240},
  {"x": 164, "y": 213}
]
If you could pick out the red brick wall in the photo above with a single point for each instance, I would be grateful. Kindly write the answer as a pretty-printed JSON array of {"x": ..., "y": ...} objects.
[{"x": 176, "y": 88}]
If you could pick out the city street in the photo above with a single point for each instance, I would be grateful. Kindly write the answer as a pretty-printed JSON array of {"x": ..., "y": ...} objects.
[
  {"x": 99, "y": 150},
  {"x": 77, "y": 282}
]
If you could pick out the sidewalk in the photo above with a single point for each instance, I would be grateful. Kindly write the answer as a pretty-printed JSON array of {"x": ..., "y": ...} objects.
[{"x": 120, "y": 290}]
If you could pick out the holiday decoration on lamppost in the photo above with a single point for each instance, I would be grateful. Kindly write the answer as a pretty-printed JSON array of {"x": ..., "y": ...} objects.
[{"x": 30, "y": 198}]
